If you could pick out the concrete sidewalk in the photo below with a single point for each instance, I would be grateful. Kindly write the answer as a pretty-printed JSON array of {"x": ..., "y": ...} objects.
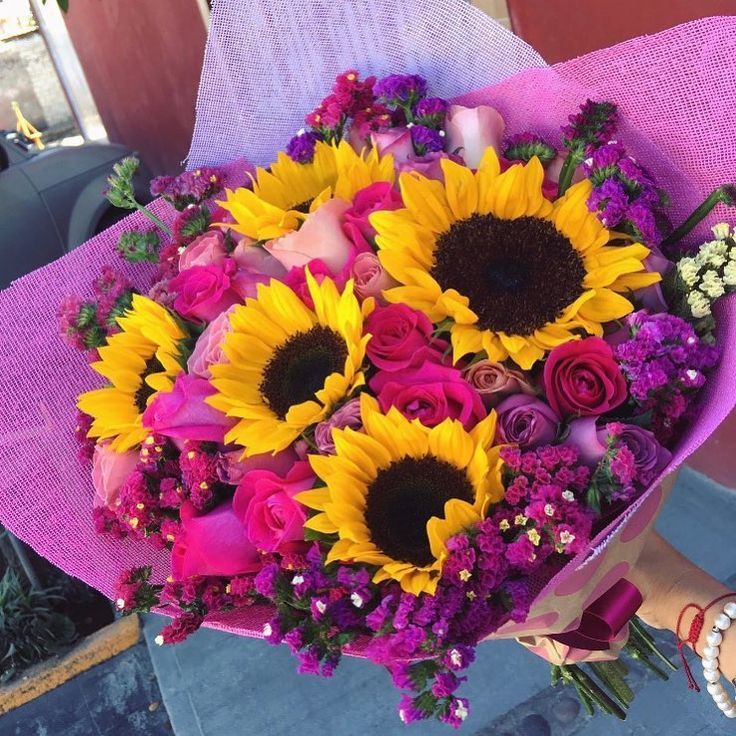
[{"x": 220, "y": 685}]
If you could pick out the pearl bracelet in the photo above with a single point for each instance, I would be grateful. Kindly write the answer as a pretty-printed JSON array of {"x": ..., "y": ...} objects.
[{"x": 711, "y": 653}]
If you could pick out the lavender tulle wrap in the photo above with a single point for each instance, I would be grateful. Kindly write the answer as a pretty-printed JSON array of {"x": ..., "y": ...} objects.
[{"x": 268, "y": 62}]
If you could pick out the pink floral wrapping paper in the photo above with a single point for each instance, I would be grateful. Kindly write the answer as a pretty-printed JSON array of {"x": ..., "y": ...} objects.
[{"x": 674, "y": 91}]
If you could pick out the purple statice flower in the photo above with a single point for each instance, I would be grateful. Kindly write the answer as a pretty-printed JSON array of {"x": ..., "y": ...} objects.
[
  {"x": 190, "y": 187},
  {"x": 456, "y": 712},
  {"x": 265, "y": 581},
  {"x": 610, "y": 202},
  {"x": 408, "y": 711},
  {"x": 459, "y": 657},
  {"x": 401, "y": 675},
  {"x": 301, "y": 147},
  {"x": 426, "y": 140},
  {"x": 590, "y": 128},
  {"x": 403, "y": 90},
  {"x": 664, "y": 363},
  {"x": 643, "y": 222},
  {"x": 524, "y": 146},
  {"x": 445, "y": 684},
  {"x": 431, "y": 111}
]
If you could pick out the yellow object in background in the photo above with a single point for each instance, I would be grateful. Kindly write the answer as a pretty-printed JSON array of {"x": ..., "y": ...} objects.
[{"x": 24, "y": 127}]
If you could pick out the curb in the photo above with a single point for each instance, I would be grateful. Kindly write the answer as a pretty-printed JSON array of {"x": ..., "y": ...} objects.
[{"x": 90, "y": 651}]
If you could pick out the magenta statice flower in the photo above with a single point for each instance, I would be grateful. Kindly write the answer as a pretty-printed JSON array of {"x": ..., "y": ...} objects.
[
  {"x": 180, "y": 628},
  {"x": 593, "y": 126},
  {"x": 190, "y": 187}
]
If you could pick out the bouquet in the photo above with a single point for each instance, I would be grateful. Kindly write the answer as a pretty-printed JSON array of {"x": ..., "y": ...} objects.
[{"x": 411, "y": 385}]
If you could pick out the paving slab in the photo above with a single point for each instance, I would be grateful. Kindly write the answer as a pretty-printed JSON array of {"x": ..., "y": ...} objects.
[{"x": 216, "y": 684}]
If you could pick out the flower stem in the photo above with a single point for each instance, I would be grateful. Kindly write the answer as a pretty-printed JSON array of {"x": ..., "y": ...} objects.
[
  {"x": 725, "y": 194},
  {"x": 567, "y": 172},
  {"x": 153, "y": 218}
]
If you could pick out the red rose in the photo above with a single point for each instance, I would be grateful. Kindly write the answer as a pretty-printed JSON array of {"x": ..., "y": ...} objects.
[{"x": 582, "y": 378}]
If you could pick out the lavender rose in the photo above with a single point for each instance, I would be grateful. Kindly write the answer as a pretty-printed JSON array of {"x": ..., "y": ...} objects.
[
  {"x": 348, "y": 415},
  {"x": 526, "y": 421}
]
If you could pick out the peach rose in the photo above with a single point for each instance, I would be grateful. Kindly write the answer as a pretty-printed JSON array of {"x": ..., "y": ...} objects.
[
  {"x": 370, "y": 278},
  {"x": 109, "y": 471},
  {"x": 494, "y": 381}
]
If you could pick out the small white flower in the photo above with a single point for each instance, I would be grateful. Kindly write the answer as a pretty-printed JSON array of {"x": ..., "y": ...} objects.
[
  {"x": 721, "y": 231},
  {"x": 120, "y": 603},
  {"x": 297, "y": 580},
  {"x": 159, "y": 640},
  {"x": 442, "y": 133},
  {"x": 301, "y": 131},
  {"x": 712, "y": 285},
  {"x": 688, "y": 270},
  {"x": 549, "y": 509},
  {"x": 267, "y": 630},
  {"x": 566, "y": 537},
  {"x": 410, "y": 125},
  {"x": 729, "y": 274},
  {"x": 692, "y": 374},
  {"x": 402, "y": 715},
  {"x": 321, "y": 606},
  {"x": 699, "y": 305},
  {"x": 357, "y": 599},
  {"x": 568, "y": 495},
  {"x": 455, "y": 658}
]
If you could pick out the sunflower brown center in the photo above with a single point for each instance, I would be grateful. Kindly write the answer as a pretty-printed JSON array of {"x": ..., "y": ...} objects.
[
  {"x": 403, "y": 497},
  {"x": 299, "y": 367},
  {"x": 304, "y": 206},
  {"x": 519, "y": 275},
  {"x": 144, "y": 391}
]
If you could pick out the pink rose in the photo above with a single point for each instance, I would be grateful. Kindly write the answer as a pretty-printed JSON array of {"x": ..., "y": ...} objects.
[
  {"x": 378, "y": 196},
  {"x": 109, "y": 471},
  {"x": 428, "y": 165},
  {"x": 232, "y": 466},
  {"x": 203, "y": 292},
  {"x": 396, "y": 142},
  {"x": 264, "y": 502},
  {"x": 494, "y": 382},
  {"x": 401, "y": 337},
  {"x": 582, "y": 378},
  {"x": 207, "y": 248},
  {"x": 212, "y": 544},
  {"x": 183, "y": 413},
  {"x": 470, "y": 130},
  {"x": 254, "y": 265},
  {"x": 321, "y": 236},
  {"x": 369, "y": 277},
  {"x": 208, "y": 348},
  {"x": 430, "y": 393},
  {"x": 525, "y": 421}
]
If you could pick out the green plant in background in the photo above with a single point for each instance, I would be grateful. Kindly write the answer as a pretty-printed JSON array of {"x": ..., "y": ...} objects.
[
  {"x": 63, "y": 4},
  {"x": 30, "y": 629}
]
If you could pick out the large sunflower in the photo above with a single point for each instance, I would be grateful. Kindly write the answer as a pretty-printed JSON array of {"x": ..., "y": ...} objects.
[
  {"x": 282, "y": 197},
  {"x": 139, "y": 361},
  {"x": 288, "y": 365},
  {"x": 515, "y": 273},
  {"x": 397, "y": 491}
]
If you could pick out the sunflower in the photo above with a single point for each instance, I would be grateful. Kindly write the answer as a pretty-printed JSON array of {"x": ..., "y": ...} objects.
[
  {"x": 397, "y": 491},
  {"x": 283, "y": 196},
  {"x": 141, "y": 360},
  {"x": 514, "y": 273},
  {"x": 288, "y": 365}
]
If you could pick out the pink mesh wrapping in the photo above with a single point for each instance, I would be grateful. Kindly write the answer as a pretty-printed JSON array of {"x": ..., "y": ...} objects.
[{"x": 267, "y": 63}]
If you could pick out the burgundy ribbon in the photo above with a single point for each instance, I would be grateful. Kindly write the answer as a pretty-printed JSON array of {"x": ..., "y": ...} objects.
[{"x": 604, "y": 618}]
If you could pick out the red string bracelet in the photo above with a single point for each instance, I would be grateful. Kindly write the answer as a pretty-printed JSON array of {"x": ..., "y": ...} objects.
[{"x": 696, "y": 627}]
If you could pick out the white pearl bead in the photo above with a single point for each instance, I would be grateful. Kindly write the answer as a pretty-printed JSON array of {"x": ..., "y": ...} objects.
[
  {"x": 712, "y": 675},
  {"x": 722, "y": 698},
  {"x": 731, "y": 713},
  {"x": 714, "y": 688},
  {"x": 725, "y": 706},
  {"x": 730, "y": 610},
  {"x": 710, "y": 664},
  {"x": 711, "y": 652},
  {"x": 722, "y": 621},
  {"x": 714, "y": 638}
]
